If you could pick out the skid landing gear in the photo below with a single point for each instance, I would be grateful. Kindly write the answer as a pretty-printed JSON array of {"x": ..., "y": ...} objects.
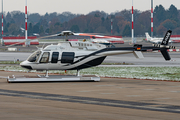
[{"x": 52, "y": 78}]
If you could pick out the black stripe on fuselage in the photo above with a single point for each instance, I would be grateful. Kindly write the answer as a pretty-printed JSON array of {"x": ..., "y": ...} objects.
[
  {"x": 96, "y": 61},
  {"x": 104, "y": 50},
  {"x": 91, "y": 63}
]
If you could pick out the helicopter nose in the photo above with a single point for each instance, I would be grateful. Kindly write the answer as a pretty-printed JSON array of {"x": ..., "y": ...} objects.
[{"x": 25, "y": 64}]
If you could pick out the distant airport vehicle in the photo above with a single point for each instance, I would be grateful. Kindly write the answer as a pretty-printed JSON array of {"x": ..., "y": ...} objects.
[{"x": 173, "y": 39}]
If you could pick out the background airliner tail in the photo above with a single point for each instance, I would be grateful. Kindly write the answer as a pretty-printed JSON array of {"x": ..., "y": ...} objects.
[{"x": 147, "y": 36}]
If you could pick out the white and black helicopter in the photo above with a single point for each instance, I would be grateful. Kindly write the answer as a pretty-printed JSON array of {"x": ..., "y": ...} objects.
[{"x": 77, "y": 55}]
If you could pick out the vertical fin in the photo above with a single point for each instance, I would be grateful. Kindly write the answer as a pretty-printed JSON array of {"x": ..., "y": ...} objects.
[
  {"x": 165, "y": 41},
  {"x": 166, "y": 38}
]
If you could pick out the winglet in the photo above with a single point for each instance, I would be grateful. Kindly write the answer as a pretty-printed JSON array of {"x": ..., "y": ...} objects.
[{"x": 147, "y": 36}]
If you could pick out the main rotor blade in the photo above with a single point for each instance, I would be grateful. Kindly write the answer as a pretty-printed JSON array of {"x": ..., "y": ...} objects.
[
  {"x": 96, "y": 36},
  {"x": 31, "y": 40}
]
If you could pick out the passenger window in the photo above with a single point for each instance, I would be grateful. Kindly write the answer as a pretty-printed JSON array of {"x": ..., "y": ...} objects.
[
  {"x": 67, "y": 57},
  {"x": 45, "y": 58},
  {"x": 55, "y": 57}
]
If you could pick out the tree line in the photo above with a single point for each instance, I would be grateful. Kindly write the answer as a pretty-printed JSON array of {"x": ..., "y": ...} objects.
[{"x": 94, "y": 22}]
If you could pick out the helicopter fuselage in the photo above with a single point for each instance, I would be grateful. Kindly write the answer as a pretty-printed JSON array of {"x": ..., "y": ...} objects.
[{"x": 74, "y": 55}]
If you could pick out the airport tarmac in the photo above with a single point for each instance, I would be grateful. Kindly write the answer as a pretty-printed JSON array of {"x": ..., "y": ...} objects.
[{"x": 109, "y": 99}]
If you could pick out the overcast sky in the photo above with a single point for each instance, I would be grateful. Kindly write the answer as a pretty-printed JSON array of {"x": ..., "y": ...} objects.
[{"x": 83, "y": 6}]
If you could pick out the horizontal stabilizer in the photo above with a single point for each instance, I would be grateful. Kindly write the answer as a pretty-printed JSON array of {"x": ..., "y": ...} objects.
[
  {"x": 165, "y": 54},
  {"x": 138, "y": 54}
]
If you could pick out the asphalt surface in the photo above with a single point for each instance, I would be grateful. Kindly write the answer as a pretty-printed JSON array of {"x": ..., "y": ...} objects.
[{"x": 109, "y": 99}]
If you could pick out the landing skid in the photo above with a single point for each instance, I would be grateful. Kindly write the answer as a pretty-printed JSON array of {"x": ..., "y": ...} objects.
[{"x": 51, "y": 78}]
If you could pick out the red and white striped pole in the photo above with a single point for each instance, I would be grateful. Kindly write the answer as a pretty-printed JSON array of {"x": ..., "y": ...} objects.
[
  {"x": 132, "y": 25},
  {"x": 26, "y": 23},
  {"x": 151, "y": 18},
  {"x": 2, "y": 21},
  {"x": 111, "y": 26}
]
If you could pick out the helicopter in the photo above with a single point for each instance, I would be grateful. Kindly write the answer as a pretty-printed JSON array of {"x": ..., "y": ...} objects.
[{"x": 77, "y": 55}]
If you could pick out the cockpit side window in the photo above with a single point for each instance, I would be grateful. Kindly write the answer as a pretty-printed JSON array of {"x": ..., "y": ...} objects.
[
  {"x": 45, "y": 57},
  {"x": 34, "y": 57}
]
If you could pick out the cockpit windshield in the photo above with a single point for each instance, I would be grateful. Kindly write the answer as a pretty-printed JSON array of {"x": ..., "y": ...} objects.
[{"x": 34, "y": 57}]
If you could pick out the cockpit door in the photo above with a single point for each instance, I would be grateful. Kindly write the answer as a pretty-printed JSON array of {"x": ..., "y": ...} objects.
[
  {"x": 44, "y": 61},
  {"x": 45, "y": 58}
]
